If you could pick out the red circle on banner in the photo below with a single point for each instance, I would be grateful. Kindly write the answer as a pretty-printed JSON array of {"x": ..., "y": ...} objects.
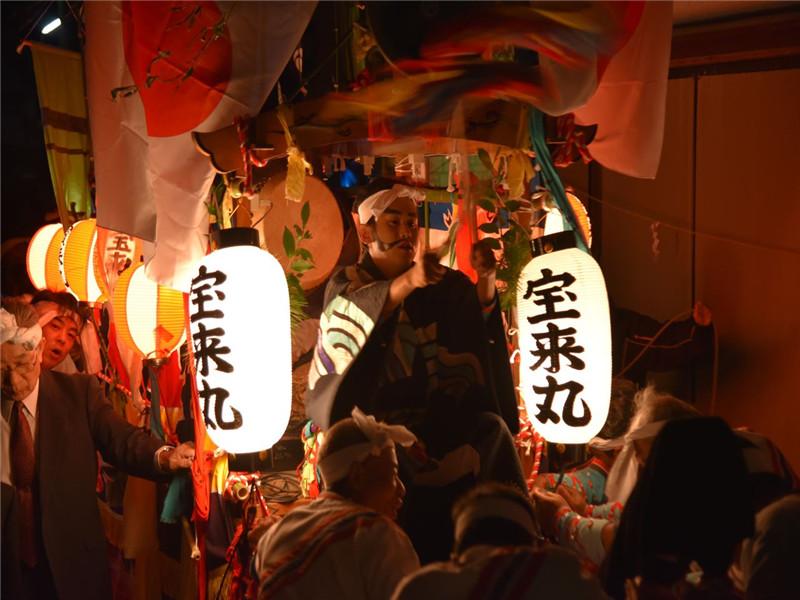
[{"x": 180, "y": 57}]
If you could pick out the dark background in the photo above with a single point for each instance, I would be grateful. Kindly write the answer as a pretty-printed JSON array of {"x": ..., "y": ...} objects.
[{"x": 27, "y": 193}]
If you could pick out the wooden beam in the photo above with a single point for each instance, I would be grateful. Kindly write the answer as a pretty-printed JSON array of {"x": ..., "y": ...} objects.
[{"x": 759, "y": 38}]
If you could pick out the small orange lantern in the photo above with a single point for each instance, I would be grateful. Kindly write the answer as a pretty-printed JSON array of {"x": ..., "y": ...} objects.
[
  {"x": 149, "y": 317},
  {"x": 42, "y": 258},
  {"x": 80, "y": 265}
]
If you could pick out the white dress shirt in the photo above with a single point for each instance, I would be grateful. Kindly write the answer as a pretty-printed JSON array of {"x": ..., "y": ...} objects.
[{"x": 29, "y": 404}]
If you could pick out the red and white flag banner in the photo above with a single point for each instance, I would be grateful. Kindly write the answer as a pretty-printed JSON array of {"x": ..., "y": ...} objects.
[
  {"x": 156, "y": 71},
  {"x": 629, "y": 104}
]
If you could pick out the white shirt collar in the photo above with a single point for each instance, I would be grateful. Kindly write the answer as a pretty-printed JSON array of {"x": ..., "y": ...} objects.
[{"x": 31, "y": 401}]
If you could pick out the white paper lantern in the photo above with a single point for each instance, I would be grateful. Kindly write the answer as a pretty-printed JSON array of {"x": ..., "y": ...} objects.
[
  {"x": 564, "y": 342},
  {"x": 239, "y": 321},
  {"x": 42, "y": 258}
]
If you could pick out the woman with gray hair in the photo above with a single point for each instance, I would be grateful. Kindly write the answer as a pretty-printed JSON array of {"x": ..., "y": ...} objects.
[{"x": 589, "y": 529}]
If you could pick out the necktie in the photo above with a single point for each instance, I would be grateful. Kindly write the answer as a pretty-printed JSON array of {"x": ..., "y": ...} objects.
[{"x": 23, "y": 462}]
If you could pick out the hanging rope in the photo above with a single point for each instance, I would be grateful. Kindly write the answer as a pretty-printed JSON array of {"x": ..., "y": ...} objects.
[{"x": 688, "y": 230}]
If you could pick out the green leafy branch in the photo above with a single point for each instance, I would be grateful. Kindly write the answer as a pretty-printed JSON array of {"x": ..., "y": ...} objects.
[
  {"x": 514, "y": 241},
  {"x": 300, "y": 261}
]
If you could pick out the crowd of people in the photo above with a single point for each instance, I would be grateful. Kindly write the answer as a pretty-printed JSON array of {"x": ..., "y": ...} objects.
[
  {"x": 712, "y": 513},
  {"x": 423, "y": 492}
]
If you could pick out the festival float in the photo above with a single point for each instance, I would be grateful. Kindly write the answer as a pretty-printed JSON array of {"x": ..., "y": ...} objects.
[{"x": 229, "y": 141}]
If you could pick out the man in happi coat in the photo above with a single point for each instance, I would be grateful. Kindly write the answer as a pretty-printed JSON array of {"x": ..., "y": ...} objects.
[
  {"x": 345, "y": 544},
  {"x": 416, "y": 343}
]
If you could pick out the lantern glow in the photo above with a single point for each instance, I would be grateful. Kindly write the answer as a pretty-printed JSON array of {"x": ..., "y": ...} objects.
[
  {"x": 565, "y": 344},
  {"x": 42, "y": 258},
  {"x": 149, "y": 317},
  {"x": 239, "y": 321},
  {"x": 80, "y": 265},
  {"x": 554, "y": 223}
]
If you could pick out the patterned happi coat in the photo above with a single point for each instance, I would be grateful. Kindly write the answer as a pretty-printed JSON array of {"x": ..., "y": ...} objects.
[{"x": 437, "y": 356}]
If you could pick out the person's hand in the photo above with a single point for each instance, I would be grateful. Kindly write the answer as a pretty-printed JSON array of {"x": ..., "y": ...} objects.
[
  {"x": 483, "y": 260},
  {"x": 427, "y": 271},
  {"x": 175, "y": 459},
  {"x": 540, "y": 481},
  {"x": 575, "y": 498},
  {"x": 547, "y": 505},
  {"x": 701, "y": 314}
]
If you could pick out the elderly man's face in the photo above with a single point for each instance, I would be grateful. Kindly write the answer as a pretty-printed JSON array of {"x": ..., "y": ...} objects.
[
  {"x": 378, "y": 484},
  {"x": 19, "y": 369},
  {"x": 60, "y": 334}
]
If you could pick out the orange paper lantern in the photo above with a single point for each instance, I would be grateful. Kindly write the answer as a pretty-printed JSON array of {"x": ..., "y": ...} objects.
[
  {"x": 149, "y": 317},
  {"x": 80, "y": 265},
  {"x": 42, "y": 258}
]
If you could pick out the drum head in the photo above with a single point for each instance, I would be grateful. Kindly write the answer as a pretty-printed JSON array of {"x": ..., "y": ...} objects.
[{"x": 324, "y": 223}]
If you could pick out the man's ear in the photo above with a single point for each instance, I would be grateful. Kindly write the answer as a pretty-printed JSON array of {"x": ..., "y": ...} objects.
[
  {"x": 364, "y": 234},
  {"x": 357, "y": 480},
  {"x": 39, "y": 350}
]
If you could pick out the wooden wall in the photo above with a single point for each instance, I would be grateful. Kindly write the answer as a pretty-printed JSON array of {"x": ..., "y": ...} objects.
[{"x": 730, "y": 171}]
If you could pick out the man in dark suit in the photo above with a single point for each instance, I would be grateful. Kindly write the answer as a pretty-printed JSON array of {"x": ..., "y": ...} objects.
[{"x": 54, "y": 426}]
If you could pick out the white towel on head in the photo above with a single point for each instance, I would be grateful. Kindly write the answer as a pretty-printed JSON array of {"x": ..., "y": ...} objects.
[{"x": 374, "y": 205}]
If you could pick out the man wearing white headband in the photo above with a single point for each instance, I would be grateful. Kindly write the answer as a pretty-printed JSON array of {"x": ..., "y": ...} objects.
[
  {"x": 345, "y": 543},
  {"x": 61, "y": 326},
  {"x": 495, "y": 555},
  {"x": 417, "y": 343},
  {"x": 53, "y": 426}
]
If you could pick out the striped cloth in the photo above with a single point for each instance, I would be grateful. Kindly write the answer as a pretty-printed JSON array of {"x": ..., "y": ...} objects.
[
  {"x": 333, "y": 548},
  {"x": 503, "y": 573}
]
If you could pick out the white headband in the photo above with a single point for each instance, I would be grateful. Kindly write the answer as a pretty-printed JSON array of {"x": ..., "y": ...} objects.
[
  {"x": 373, "y": 206},
  {"x": 336, "y": 466},
  {"x": 53, "y": 310},
  {"x": 27, "y": 337},
  {"x": 645, "y": 431},
  {"x": 494, "y": 507},
  {"x": 47, "y": 317}
]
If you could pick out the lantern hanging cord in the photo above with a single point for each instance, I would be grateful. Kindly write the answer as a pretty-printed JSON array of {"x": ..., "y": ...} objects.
[
  {"x": 650, "y": 343},
  {"x": 687, "y": 230},
  {"x": 261, "y": 218},
  {"x": 304, "y": 82},
  {"x": 714, "y": 366},
  {"x": 24, "y": 40}
]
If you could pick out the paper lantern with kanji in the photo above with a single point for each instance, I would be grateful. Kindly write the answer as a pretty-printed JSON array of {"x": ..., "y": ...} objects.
[
  {"x": 150, "y": 318},
  {"x": 42, "y": 258},
  {"x": 116, "y": 252},
  {"x": 564, "y": 341},
  {"x": 80, "y": 265},
  {"x": 239, "y": 322}
]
